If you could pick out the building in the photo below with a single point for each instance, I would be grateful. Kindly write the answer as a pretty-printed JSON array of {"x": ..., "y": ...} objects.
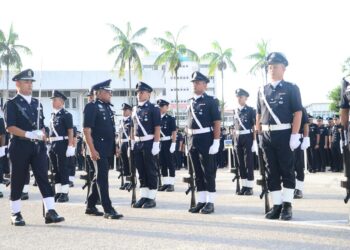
[
  {"x": 319, "y": 109},
  {"x": 75, "y": 84}
]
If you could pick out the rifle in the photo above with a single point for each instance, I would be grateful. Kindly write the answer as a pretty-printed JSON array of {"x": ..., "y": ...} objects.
[
  {"x": 235, "y": 171},
  {"x": 191, "y": 179},
  {"x": 88, "y": 172},
  {"x": 159, "y": 171},
  {"x": 121, "y": 170},
  {"x": 263, "y": 181},
  {"x": 346, "y": 163},
  {"x": 132, "y": 177}
]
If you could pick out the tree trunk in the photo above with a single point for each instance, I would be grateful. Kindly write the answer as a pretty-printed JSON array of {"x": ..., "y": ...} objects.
[
  {"x": 177, "y": 100},
  {"x": 130, "y": 97},
  {"x": 6, "y": 94},
  {"x": 223, "y": 100}
]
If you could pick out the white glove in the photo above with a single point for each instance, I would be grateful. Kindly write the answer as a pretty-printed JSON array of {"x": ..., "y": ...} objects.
[
  {"x": 341, "y": 146},
  {"x": 254, "y": 146},
  {"x": 2, "y": 151},
  {"x": 214, "y": 148},
  {"x": 172, "y": 147},
  {"x": 35, "y": 135},
  {"x": 70, "y": 151},
  {"x": 155, "y": 148},
  {"x": 306, "y": 143},
  {"x": 294, "y": 141}
]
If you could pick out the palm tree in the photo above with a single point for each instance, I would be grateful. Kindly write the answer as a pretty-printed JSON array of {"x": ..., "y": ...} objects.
[
  {"x": 9, "y": 55},
  {"x": 218, "y": 60},
  {"x": 346, "y": 66},
  {"x": 172, "y": 55},
  {"x": 127, "y": 49},
  {"x": 260, "y": 59}
]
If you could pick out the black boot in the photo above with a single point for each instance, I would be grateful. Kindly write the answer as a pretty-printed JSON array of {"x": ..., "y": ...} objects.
[
  {"x": 71, "y": 184},
  {"x": 170, "y": 188},
  {"x": 139, "y": 203},
  {"x": 248, "y": 191},
  {"x": 63, "y": 198},
  {"x": 57, "y": 196},
  {"x": 298, "y": 194},
  {"x": 286, "y": 213},
  {"x": 24, "y": 196},
  {"x": 1, "y": 195},
  {"x": 93, "y": 211},
  {"x": 35, "y": 184},
  {"x": 163, "y": 188},
  {"x": 52, "y": 217},
  {"x": 197, "y": 208},
  {"x": 113, "y": 215},
  {"x": 241, "y": 192},
  {"x": 150, "y": 203},
  {"x": 274, "y": 213},
  {"x": 17, "y": 219},
  {"x": 122, "y": 187},
  {"x": 208, "y": 208}
]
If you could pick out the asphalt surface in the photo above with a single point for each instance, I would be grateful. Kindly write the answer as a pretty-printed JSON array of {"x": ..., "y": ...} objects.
[{"x": 320, "y": 220}]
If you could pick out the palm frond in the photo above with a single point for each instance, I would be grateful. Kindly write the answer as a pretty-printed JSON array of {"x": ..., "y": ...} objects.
[
  {"x": 163, "y": 43},
  {"x": 209, "y": 56},
  {"x": 163, "y": 58},
  {"x": 231, "y": 64},
  {"x": 141, "y": 47},
  {"x": 216, "y": 46},
  {"x": 119, "y": 32},
  {"x": 139, "y": 33},
  {"x": 179, "y": 32},
  {"x": 192, "y": 55}
]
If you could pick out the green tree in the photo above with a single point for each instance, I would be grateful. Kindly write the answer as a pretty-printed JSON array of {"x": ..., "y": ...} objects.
[
  {"x": 259, "y": 59},
  {"x": 10, "y": 54},
  {"x": 127, "y": 49},
  {"x": 346, "y": 66},
  {"x": 218, "y": 60},
  {"x": 171, "y": 56},
  {"x": 334, "y": 96}
]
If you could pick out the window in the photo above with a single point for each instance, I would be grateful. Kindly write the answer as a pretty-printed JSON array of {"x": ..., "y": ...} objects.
[{"x": 67, "y": 103}]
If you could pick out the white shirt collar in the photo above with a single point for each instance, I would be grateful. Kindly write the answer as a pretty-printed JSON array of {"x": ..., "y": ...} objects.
[
  {"x": 275, "y": 83},
  {"x": 240, "y": 107},
  {"x": 28, "y": 98},
  {"x": 162, "y": 115},
  {"x": 56, "y": 111},
  {"x": 125, "y": 118},
  {"x": 197, "y": 96},
  {"x": 141, "y": 103}
]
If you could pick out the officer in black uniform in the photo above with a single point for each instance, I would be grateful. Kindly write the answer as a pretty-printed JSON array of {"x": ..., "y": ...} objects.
[
  {"x": 299, "y": 162},
  {"x": 244, "y": 121},
  {"x": 145, "y": 134},
  {"x": 79, "y": 151},
  {"x": 279, "y": 117},
  {"x": 321, "y": 145},
  {"x": 99, "y": 131},
  {"x": 167, "y": 147},
  {"x": 124, "y": 134},
  {"x": 329, "y": 159},
  {"x": 3, "y": 148},
  {"x": 72, "y": 160},
  {"x": 312, "y": 151},
  {"x": 27, "y": 147},
  {"x": 62, "y": 145},
  {"x": 334, "y": 139},
  {"x": 204, "y": 125}
]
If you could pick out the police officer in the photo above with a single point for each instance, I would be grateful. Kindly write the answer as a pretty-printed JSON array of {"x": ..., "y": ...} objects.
[
  {"x": 312, "y": 151},
  {"x": 99, "y": 130},
  {"x": 72, "y": 160},
  {"x": 62, "y": 144},
  {"x": 146, "y": 136},
  {"x": 167, "y": 147},
  {"x": 244, "y": 121},
  {"x": 321, "y": 145},
  {"x": 27, "y": 147},
  {"x": 329, "y": 159},
  {"x": 299, "y": 163},
  {"x": 334, "y": 139},
  {"x": 204, "y": 126},
  {"x": 279, "y": 118},
  {"x": 124, "y": 134}
]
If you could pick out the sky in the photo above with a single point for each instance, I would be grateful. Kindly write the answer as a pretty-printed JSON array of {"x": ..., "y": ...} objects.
[{"x": 73, "y": 35}]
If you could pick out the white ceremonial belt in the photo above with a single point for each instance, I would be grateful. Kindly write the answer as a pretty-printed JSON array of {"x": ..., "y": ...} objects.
[
  {"x": 165, "y": 138},
  {"x": 243, "y": 132},
  {"x": 144, "y": 138},
  {"x": 58, "y": 138},
  {"x": 124, "y": 140},
  {"x": 199, "y": 131},
  {"x": 275, "y": 127}
]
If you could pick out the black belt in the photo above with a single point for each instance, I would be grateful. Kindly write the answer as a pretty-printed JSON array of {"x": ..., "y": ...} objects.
[{"x": 25, "y": 139}]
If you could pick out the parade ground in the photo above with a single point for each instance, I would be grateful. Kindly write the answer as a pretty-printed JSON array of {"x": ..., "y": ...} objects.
[{"x": 320, "y": 220}]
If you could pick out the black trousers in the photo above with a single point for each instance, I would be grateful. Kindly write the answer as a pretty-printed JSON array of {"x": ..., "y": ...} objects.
[
  {"x": 299, "y": 164},
  {"x": 178, "y": 159},
  {"x": 72, "y": 165},
  {"x": 100, "y": 186},
  {"x": 22, "y": 154},
  {"x": 166, "y": 159},
  {"x": 204, "y": 164},
  {"x": 80, "y": 161},
  {"x": 60, "y": 162},
  {"x": 321, "y": 158},
  {"x": 125, "y": 159},
  {"x": 337, "y": 159},
  {"x": 245, "y": 156},
  {"x": 312, "y": 157},
  {"x": 146, "y": 164},
  {"x": 279, "y": 159},
  {"x": 2, "y": 169}
]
